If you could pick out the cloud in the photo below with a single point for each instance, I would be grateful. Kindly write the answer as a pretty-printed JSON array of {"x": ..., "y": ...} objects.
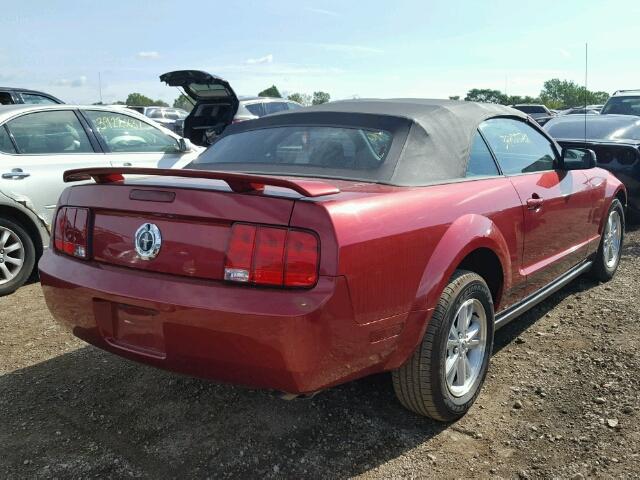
[
  {"x": 150, "y": 55},
  {"x": 564, "y": 53},
  {"x": 322, "y": 11},
  {"x": 257, "y": 61},
  {"x": 349, "y": 49},
  {"x": 74, "y": 83},
  {"x": 280, "y": 69}
]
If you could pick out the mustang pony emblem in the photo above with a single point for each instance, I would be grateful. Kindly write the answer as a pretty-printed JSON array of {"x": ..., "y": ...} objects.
[{"x": 148, "y": 241}]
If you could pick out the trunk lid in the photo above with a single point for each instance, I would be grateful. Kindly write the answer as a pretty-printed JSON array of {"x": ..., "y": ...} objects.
[
  {"x": 216, "y": 104},
  {"x": 193, "y": 215}
]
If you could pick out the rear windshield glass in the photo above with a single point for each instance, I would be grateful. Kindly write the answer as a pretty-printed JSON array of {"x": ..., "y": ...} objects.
[
  {"x": 623, "y": 105},
  {"x": 530, "y": 108},
  {"x": 338, "y": 152},
  {"x": 204, "y": 90}
]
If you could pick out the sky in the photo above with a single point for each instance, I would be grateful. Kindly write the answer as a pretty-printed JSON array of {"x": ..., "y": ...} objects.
[{"x": 422, "y": 48}]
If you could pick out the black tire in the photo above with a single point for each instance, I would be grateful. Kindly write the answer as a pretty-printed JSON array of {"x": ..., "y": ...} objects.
[
  {"x": 600, "y": 269},
  {"x": 26, "y": 269},
  {"x": 421, "y": 384}
]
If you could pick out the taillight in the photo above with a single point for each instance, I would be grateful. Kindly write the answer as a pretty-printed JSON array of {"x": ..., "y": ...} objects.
[
  {"x": 70, "y": 231},
  {"x": 282, "y": 257}
]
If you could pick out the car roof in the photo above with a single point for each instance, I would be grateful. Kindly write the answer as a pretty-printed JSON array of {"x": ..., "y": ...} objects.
[
  {"x": 419, "y": 110},
  {"x": 624, "y": 93},
  {"x": 249, "y": 99},
  {"x": 599, "y": 127},
  {"x": 441, "y": 130},
  {"x": 9, "y": 111},
  {"x": 26, "y": 90}
]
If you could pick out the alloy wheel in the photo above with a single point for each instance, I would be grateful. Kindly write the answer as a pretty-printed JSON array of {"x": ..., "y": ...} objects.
[
  {"x": 466, "y": 347},
  {"x": 612, "y": 239},
  {"x": 11, "y": 255}
]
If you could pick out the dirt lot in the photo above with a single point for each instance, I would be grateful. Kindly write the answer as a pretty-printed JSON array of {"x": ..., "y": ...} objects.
[{"x": 561, "y": 401}]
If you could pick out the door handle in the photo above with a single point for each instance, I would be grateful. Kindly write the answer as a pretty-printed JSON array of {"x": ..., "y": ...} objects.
[
  {"x": 126, "y": 164},
  {"x": 535, "y": 202},
  {"x": 15, "y": 174}
]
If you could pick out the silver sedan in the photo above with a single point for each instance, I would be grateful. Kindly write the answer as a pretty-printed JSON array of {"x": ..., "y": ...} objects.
[{"x": 39, "y": 142}]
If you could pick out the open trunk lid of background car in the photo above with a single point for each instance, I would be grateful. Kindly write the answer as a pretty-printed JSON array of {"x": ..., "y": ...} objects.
[{"x": 216, "y": 103}]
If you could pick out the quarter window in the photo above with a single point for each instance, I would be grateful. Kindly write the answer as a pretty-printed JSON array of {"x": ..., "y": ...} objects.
[
  {"x": 122, "y": 133},
  {"x": 518, "y": 147},
  {"x": 5, "y": 98},
  {"x": 49, "y": 132},
  {"x": 5, "y": 141},
  {"x": 481, "y": 163},
  {"x": 255, "y": 109},
  {"x": 273, "y": 107}
]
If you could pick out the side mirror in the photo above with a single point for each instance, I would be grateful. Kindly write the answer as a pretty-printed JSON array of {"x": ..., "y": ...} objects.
[
  {"x": 184, "y": 145},
  {"x": 578, "y": 159}
]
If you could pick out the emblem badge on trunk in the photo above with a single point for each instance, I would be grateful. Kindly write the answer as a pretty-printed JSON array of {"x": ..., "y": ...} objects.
[{"x": 148, "y": 241}]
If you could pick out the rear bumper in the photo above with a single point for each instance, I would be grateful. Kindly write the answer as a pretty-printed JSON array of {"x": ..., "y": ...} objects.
[{"x": 294, "y": 341}]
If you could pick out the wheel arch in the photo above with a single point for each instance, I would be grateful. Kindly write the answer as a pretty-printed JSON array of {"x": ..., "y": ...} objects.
[
  {"x": 486, "y": 263},
  {"x": 27, "y": 222},
  {"x": 468, "y": 241},
  {"x": 620, "y": 193}
]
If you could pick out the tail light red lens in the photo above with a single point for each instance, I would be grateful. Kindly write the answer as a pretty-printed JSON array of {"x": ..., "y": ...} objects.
[
  {"x": 302, "y": 259},
  {"x": 70, "y": 232},
  {"x": 272, "y": 256}
]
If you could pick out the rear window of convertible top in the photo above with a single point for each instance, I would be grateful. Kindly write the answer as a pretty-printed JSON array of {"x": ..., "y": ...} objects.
[{"x": 326, "y": 151}]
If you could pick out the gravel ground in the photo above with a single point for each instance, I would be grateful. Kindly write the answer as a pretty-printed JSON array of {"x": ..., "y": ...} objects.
[{"x": 561, "y": 401}]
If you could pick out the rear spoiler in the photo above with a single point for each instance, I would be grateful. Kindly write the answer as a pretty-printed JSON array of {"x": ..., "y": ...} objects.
[{"x": 238, "y": 182}]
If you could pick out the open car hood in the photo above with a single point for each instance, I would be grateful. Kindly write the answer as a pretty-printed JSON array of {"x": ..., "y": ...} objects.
[{"x": 201, "y": 86}]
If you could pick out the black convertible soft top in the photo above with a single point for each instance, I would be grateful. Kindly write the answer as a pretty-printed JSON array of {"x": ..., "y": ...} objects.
[{"x": 436, "y": 135}]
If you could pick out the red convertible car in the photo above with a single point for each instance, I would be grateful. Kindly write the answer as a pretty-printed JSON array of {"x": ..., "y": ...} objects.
[{"x": 309, "y": 248}]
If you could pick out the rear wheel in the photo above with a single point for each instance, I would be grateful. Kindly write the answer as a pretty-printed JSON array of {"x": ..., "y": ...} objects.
[
  {"x": 17, "y": 256},
  {"x": 608, "y": 256},
  {"x": 445, "y": 374}
]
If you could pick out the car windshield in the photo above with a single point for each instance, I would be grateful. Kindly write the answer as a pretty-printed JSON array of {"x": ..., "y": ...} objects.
[
  {"x": 626, "y": 105},
  {"x": 334, "y": 152},
  {"x": 597, "y": 128}
]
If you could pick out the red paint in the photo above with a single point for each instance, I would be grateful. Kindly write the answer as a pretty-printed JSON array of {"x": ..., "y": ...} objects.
[
  {"x": 385, "y": 255},
  {"x": 239, "y": 182}
]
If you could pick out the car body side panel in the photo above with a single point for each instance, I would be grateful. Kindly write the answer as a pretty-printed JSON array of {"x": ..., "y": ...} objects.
[
  {"x": 397, "y": 248},
  {"x": 44, "y": 184},
  {"x": 558, "y": 232}
]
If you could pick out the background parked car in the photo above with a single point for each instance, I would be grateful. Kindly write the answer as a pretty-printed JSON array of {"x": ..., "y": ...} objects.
[
  {"x": 623, "y": 102},
  {"x": 165, "y": 116},
  {"x": 11, "y": 96},
  {"x": 540, "y": 113},
  {"x": 580, "y": 111},
  {"x": 39, "y": 142},
  {"x": 216, "y": 105},
  {"x": 616, "y": 141}
]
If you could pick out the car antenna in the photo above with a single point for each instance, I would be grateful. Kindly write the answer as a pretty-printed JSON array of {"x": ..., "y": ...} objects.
[{"x": 586, "y": 64}]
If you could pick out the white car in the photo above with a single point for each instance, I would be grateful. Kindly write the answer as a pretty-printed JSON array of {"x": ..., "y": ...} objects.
[{"x": 39, "y": 142}]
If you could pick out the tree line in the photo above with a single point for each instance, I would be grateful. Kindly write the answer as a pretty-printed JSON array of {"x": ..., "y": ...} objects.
[
  {"x": 185, "y": 103},
  {"x": 302, "y": 98},
  {"x": 555, "y": 93}
]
